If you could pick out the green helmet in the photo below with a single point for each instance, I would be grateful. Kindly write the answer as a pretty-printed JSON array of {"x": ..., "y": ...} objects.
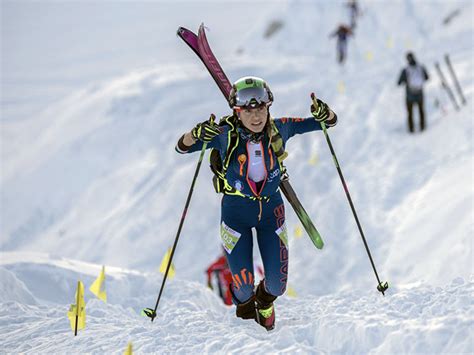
[{"x": 250, "y": 91}]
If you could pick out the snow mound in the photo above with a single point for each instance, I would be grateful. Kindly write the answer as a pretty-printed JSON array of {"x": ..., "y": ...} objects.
[{"x": 191, "y": 318}]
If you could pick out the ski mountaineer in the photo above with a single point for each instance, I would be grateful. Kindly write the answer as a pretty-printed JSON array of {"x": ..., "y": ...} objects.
[
  {"x": 414, "y": 76},
  {"x": 354, "y": 12},
  {"x": 342, "y": 33},
  {"x": 248, "y": 144},
  {"x": 223, "y": 278}
]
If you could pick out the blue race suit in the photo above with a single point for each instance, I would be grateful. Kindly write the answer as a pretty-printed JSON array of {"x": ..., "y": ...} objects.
[{"x": 267, "y": 216}]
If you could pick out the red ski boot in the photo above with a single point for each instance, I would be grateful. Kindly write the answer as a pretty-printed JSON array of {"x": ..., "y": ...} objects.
[{"x": 264, "y": 310}]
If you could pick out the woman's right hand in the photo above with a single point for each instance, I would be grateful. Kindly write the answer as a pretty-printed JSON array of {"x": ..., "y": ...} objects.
[{"x": 206, "y": 131}]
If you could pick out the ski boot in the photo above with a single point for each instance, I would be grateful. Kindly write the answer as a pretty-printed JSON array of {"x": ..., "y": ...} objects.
[
  {"x": 264, "y": 309},
  {"x": 246, "y": 310}
]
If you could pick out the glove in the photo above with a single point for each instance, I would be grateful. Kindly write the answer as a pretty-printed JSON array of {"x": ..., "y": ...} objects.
[
  {"x": 206, "y": 130},
  {"x": 321, "y": 113}
]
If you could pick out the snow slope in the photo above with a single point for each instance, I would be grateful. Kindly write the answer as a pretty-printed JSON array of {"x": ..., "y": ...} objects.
[
  {"x": 415, "y": 318},
  {"x": 93, "y": 176}
]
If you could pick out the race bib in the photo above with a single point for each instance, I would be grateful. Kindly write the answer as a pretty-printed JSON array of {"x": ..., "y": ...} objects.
[
  {"x": 229, "y": 237},
  {"x": 283, "y": 234}
]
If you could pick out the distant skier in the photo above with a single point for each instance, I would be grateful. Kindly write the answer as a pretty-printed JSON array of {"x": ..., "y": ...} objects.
[
  {"x": 342, "y": 33},
  {"x": 414, "y": 77},
  {"x": 220, "y": 272},
  {"x": 248, "y": 148},
  {"x": 353, "y": 12}
]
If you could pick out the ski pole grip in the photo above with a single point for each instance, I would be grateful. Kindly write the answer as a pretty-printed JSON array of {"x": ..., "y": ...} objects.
[
  {"x": 332, "y": 115},
  {"x": 212, "y": 118},
  {"x": 315, "y": 102}
]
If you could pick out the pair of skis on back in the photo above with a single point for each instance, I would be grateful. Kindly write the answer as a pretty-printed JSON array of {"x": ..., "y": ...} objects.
[
  {"x": 199, "y": 44},
  {"x": 446, "y": 86}
]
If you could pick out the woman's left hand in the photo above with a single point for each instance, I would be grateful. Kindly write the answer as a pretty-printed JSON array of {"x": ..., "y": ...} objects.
[{"x": 322, "y": 112}]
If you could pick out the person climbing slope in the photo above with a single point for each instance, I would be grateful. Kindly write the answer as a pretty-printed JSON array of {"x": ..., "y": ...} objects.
[
  {"x": 414, "y": 76},
  {"x": 342, "y": 33},
  {"x": 219, "y": 272},
  {"x": 246, "y": 146}
]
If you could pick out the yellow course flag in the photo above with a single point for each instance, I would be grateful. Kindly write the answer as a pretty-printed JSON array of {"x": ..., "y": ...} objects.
[
  {"x": 291, "y": 292},
  {"x": 341, "y": 87},
  {"x": 77, "y": 311},
  {"x": 298, "y": 232},
  {"x": 98, "y": 286},
  {"x": 313, "y": 160},
  {"x": 164, "y": 264},
  {"x": 129, "y": 349}
]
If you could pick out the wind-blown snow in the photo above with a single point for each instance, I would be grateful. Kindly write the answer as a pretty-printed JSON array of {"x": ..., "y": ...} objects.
[{"x": 89, "y": 177}]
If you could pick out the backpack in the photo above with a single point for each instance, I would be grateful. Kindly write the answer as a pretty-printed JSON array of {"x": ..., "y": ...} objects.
[
  {"x": 415, "y": 78},
  {"x": 219, "y": 167}
]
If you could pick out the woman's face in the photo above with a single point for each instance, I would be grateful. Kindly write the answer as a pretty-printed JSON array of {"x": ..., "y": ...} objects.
[{"x": 254, "y": 119}]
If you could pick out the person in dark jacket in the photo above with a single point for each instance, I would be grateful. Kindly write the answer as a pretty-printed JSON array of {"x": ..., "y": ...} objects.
[
  {"x": 342, "y": 33},
  {"x": 219, "y": 270},
  {"x": 414, "y": 76},
  {"x": 252, "y": 198},
  {"x": 354, "y": 12}
]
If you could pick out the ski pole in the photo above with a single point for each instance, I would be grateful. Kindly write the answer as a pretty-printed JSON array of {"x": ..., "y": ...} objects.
[
  {"x": 381, "y": 287},
  {"x": 149, "y": 312}
]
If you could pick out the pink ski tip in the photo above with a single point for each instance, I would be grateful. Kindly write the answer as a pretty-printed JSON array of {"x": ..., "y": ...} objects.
[{"x": 312, "y": 95}]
